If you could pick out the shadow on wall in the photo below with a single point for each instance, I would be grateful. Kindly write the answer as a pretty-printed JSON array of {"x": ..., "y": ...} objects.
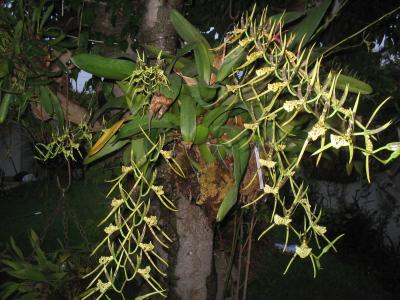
[
  {"x": 379, "y": 199},
  {"x": 16, "y": 156}
]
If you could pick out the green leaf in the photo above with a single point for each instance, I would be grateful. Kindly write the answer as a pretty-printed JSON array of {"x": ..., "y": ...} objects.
[
  {"x": 207, "y": 92},
  {"x": 309, "y": 24},
  {"x": 181, "y": 64},
  {"x": 287, "y": 17},
  {"x": 13, "y": 264},
  {"x": 218, "y": 122},
  {"x": 231, "y": 61},
  {"x": 201, "y": 134},
  {"x": 16, "y": 249},
  {"x": 100, "y": 66},
  {"x": 46, "y": 16},
  {"x": 133, "y": 126},
  {"x": 202, "y": 93},
  {"x": 241, "y": 156},
  {"x": 188, "y": 118},
  {"x": 112, "y": 103},
  {"x": 203, "y": 62},
  {"x": 190, "y": 34},
  {"x": 4, "y": 106},
  {"x": 179, "y": 53},
  {"x": 174, "y": 87},
  {"x": 51, "y": 104},
  {"x": 28, "y": 274},
  {"x": 206, "y": 154},
  {"x": 4, "y": 68},
  {"x": 29, "y": 296},
  {"x": 83, "y": 41},
  {"x": 111, "y": 146},
  {"x": 18, "y": 36},
  {"x": 138, "y": 149},
  {"x": 57, "y": 108},
  {"x": 45, "y": 100},
  {"x": 214, "y": 114},
  {"x": 355, "y": 85},
  {"x": 227, "y": 204},
  {"x": 8, "y": 289}
]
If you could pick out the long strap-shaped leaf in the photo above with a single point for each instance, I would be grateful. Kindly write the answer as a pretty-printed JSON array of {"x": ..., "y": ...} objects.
[
  {"x": 241, "y": 156},
  {"x": 355, "y": 85},
  {"x": 51, "y": 104},
  {"x": 190, "y": 34},
  {"x": 306, "y": 28},
  {"x": 97, "y": 65},
  {"x": 188, "y": 118}
]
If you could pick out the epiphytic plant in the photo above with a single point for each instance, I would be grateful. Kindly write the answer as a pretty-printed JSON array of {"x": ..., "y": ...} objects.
[{"x": 260, "y": 98}]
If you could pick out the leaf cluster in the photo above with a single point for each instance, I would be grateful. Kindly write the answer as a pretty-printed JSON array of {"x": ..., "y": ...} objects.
[{"x": 260, "y": 91}]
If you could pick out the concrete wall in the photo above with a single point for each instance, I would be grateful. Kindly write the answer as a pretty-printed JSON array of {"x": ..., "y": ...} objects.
[{"x": 15, "y": 150}]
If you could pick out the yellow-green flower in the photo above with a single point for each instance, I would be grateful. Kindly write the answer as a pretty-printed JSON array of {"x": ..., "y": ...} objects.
[
  {"x": 291, "y": 105},
  {"x": 270, "y": 164},
  {"x": 110, "y": 229},
  {"x": 291, "y": 56},
  {"x": 278, "y": 220},
  {"x": 126, "y": 169},
  {"x": 151, "y": 221},
  {"x": 320, "y": 230},
  {"x": 264, "y": 71},
  {"x": 116, "y": 202},
  {"x": 103, "y": 260},
  {"x": 158, "y": 189},
  {"x": 254, "y": 55},
  {"x": 251, "y": 126},
  {"x": 270, "y": 190},
  {"x": 167, "y": 154},
  {"x": 145, "y": 272},
  {"x": 103, "y": 286},
  {"x": 245, "y": 41},
  {"x": 317, "y": 130},
  {"x": 339, "y": 141},
  {"x": 232, "y": 88},
  {"x": 368, "y": 144},
  {"x": 303, "y": 251},
  {"x": 276, "y": 86},
  {"x": 146, "y": 247}
]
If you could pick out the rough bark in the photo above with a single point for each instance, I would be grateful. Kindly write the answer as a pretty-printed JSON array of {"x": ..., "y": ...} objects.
[
  {"x": 194, "y": 257},
  {"x": 156, "y": 28},
  {"x": 191, "y": 256},
  {"x": 191, "y": 262}
]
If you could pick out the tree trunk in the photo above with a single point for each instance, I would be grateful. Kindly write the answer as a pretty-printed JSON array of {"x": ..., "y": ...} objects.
[
  {"x": 191, "y": 255},
  {"x": 156, "y": 28},
  {"x": 191, "y": 260}
]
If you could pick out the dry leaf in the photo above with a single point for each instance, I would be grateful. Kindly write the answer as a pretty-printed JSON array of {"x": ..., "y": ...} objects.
[
  {"x": 107, "y": 135},
  {"x": 39, "y": 112},
  {"x": 188, "y": 80},
  {"x": 217, "y": 63},
  {"x": 159, "y": 105}
]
